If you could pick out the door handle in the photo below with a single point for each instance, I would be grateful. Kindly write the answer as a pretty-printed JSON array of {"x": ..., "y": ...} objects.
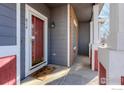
[{"x": 33, "y": 37}]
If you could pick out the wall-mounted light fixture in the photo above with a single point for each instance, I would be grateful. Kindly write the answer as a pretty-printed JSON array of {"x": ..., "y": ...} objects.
[{"x": 52, "y": 25}]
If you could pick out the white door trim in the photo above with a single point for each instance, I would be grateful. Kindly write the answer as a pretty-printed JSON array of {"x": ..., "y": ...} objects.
[{"x": 28, "y": 11}]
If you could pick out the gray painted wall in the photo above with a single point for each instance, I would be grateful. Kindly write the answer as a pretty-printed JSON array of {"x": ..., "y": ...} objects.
[
  {"x": 42, "y": 8},
  {"x": 7, "y": 24},
  {"x": 58, "y": 36},
  {"x": 84, "y": 38}
]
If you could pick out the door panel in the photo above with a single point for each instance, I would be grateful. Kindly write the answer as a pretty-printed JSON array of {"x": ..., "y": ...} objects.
[{"x": 37, "y": 40}]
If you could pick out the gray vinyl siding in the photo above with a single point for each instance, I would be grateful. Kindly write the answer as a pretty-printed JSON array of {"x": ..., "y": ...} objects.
[
  {"x": 7, "y": 24},
  {"x": 22, "y": 45},
  {"x": 42, "y": 8},
  {"x": 58, "y": 36},
  {"x": 84, "y": 38}
]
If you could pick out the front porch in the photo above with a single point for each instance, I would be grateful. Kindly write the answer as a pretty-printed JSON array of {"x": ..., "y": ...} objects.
[
  {"x": 36, "y": 35},
  {"x": 79, "y": 74}
]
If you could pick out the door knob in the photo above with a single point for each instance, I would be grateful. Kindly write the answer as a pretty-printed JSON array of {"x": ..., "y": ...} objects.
[{"x": 33, "y": 37}]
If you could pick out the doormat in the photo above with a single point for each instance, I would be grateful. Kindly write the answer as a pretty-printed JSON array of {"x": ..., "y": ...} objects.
[{"x": 43, "y": 72}]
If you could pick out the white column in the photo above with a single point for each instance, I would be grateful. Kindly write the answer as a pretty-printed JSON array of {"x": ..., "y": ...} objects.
[
  {"x": 116, "y": 43},
  {"x": 95, "y": 36},
  {"x": 112, "y": 57},
  {"x": 91, "y": 32},
  {"x": 95, "y": 24},
  {"x": 91, "y": 42}
]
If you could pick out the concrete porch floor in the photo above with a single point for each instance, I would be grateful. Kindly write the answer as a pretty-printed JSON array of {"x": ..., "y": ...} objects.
[{"x": 79, "y": 74}]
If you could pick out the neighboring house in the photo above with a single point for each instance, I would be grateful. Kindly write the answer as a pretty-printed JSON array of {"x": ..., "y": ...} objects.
[{"x": 33, "y": 35}]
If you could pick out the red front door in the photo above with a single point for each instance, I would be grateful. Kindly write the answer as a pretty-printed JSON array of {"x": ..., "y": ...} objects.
[{"x": 37, "y": 40}]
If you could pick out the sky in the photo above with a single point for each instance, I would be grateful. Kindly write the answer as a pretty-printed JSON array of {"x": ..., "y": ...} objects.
[{"x": 104, "y": 29}]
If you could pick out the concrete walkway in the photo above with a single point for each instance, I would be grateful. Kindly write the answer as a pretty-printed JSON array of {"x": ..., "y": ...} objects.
[{"x": 79, "y": 74}]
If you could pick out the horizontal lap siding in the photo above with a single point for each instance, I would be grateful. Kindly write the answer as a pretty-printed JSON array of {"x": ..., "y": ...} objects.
[
  {"x": 84, "y": 38},
  {"x": 58, "y": 36},
  {"x": 7, "y": 24}
]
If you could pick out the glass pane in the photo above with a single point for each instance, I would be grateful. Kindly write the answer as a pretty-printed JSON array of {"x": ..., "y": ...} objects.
[{"x": 37, "y": 41}]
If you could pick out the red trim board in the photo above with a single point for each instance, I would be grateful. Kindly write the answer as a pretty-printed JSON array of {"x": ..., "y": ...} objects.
[
  {"x": 122, "y": 80},
  {"x": 96, "y": 60},
  {"x": 91, "y": 57},
  {"x": 8, "y": 70},
  {"x": 102, "y": 75}
]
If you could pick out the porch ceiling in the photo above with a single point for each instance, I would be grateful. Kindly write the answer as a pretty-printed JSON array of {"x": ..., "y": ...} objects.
[
  {"x": 51, "y": 5},
  {"x": 83, "y": 10}
]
